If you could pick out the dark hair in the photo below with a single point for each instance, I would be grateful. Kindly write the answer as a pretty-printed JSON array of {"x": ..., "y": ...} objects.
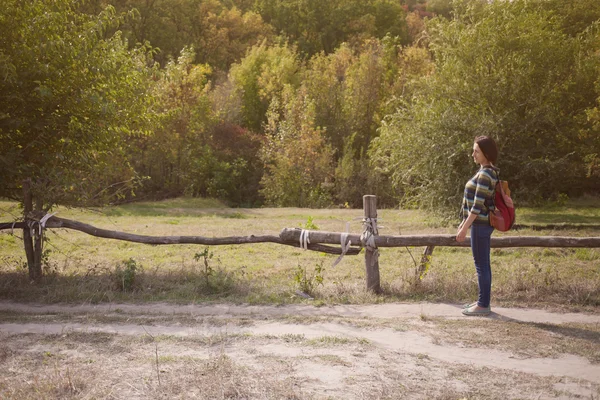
[{"x": 488, "y": 148}]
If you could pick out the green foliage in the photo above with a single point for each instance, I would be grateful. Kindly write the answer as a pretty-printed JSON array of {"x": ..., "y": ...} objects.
[
  {"x": 363, "y": 97},
  {"x": 324, "y": 82},
  {"x": 236, "y": 174},
  {"x": 363, "y": 92},
  {"x": 351, "y": 91},
  {"x": 337, "y": 106},
  {"x": 71, "y": 95},
  {"x": 220, "y": 34},
  {"x": 576, "y": 16},
  {"x": 308, "y": 283},
  {"x": 353, "y": 177},
  {"x": 318, "y": 26},
  {"x": 507, "y": 70},
  {"x": 192, "y": 152},
  {"x": 183, "y": 112},
  {"x": 47, "y": 265},
  {"x": 562, "y": 199},
  {"x": 440, "y": 7},
  {"x": 261, "y": 76},
  {"x": 423, "y": 268},
  {"x": 125, "y": 274}
]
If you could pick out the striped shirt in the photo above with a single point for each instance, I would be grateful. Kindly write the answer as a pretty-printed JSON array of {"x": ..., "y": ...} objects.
[{"x": 479, "y": 192}]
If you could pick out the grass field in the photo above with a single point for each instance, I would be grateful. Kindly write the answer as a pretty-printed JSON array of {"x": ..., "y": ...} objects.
[{"x": 82, "y": 268}]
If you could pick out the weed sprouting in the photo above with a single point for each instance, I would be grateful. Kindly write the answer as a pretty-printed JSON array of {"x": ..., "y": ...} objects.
[
  {"x": 309, "y": 224},
  {"x": 587, "y": 254},
  {"x": 50, "y": 268},
  {"x": 214, "y": 280},
  {"x": 206, "y": 255},
  {"x": 293, "y": 338},
  {"x": 308, "y": 283},
  {"x": 125, "y": 274}
]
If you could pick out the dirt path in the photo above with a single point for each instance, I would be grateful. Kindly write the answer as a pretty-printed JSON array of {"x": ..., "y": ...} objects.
[
  {"x": 396, "y": 310},
  {"x": 300, "y": 351}
]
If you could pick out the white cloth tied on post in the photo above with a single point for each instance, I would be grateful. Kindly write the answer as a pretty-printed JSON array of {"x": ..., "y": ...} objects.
[
  {"x": 304, "y": 239},
  {"x": 43, "y": 221},
  {"x": 345, "y": 246}
]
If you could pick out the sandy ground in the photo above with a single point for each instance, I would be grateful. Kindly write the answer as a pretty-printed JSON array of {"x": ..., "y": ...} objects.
[{"x": 418, "y": 351}]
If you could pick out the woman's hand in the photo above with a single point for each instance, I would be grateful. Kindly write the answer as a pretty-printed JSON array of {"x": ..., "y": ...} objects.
[
  {"x": 464, "y": 226},
  {"x": 461, "y": 234}
]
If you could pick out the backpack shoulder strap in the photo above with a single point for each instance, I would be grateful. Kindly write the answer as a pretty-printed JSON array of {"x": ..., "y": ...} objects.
[
  {"x": 490, "y": 204},
  {"x": 497, "y": 173}
]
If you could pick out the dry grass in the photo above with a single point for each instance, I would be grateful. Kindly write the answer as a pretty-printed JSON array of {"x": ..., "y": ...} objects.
[
  {"x": 117, "y": 318},
  {"x": 92, "y": 365},
  {"x": 92, "y": 375},
  {"x": 82, "y": 268},
  {"x": 525, "y": 339}
]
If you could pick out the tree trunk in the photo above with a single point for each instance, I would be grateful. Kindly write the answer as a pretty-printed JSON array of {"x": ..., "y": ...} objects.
[
  {"x": 27, "y": 240},
  {"x": 38, "y": 242}
]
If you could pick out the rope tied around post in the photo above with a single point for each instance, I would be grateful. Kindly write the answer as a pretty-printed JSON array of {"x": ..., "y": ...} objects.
[
  {"x": 369, "y": 231},
  {"x": 41, "y": 226},
  {"x": 368, "y": 237}
]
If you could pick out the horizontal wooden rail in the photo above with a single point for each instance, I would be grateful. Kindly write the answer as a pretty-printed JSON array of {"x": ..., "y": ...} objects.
[
  {"x": 558, "y": 226},
  {"x": 290, "y": 235},
  {"x": 318, "y": 239},
  {"x": 56, "y": 222}
]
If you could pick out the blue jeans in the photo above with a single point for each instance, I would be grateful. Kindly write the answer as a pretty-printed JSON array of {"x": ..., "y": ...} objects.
[{"x": 480, "y": 246}]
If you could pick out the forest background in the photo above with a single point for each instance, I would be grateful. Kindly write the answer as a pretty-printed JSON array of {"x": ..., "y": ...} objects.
[{"x": 302, "y": 103}]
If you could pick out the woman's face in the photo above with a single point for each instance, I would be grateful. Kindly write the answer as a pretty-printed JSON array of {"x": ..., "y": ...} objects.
[{"x": 478, "y": 156}]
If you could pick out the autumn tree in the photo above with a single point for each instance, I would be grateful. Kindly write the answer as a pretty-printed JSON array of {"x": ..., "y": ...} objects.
[
  {"x": 180, "y": 135},
  {"x": 193, "y": 150},
  {"x": 325, "y": 82},
  {"x": 298, "y": 161},
  {"x": 219, "y": 33},
  {"x": 260, "y": 76},
  {"x": 317, "y": 26}
]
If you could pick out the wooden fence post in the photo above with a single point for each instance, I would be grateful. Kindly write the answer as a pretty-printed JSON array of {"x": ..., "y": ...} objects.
[{"x": 371, "y": 254}]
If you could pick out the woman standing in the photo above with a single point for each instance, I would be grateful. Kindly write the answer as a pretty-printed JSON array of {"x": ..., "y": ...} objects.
[{"x": 477, "y": 201}]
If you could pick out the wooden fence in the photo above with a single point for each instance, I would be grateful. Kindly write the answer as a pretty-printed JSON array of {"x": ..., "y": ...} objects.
[{"x": 349, "y": 244}]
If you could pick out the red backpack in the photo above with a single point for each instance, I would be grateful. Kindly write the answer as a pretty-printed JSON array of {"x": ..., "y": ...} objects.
[{"x": 503, "y": 217}]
